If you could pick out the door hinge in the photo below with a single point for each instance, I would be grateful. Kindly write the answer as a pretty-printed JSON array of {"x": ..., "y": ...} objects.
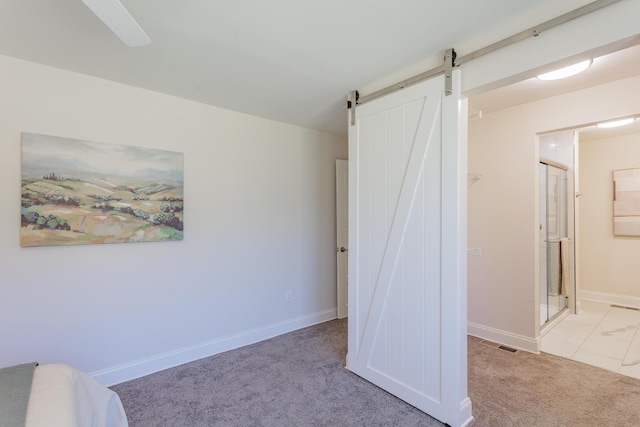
[{"x": 352, "y": 101}]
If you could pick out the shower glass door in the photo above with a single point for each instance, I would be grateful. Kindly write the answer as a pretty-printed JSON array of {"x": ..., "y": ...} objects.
[{"x": 553, "y": 227}]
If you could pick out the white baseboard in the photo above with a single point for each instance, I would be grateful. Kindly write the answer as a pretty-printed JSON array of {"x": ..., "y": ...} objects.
[
  {"x": 502, "y": 337},
  {"x": 625, "y": 300},
  {"x": 140, "y": 368},
  {"x": 465, "y": 412}
]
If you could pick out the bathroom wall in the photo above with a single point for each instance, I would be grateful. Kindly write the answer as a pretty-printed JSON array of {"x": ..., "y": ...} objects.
[{"x": 609, "y": 265}]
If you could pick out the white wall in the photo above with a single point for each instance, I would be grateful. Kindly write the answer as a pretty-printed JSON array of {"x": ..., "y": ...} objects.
[
  {"x": 608, "y": 263},
  {"x": 503, "y": 204},
  {"x": 259, "y": 221}
]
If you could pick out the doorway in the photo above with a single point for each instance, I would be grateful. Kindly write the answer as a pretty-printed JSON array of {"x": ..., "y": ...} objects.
[
  {"x": 602, "y": 331},
  {"x": 342, "y": 236},
  {"x": 504, "y": 148}
]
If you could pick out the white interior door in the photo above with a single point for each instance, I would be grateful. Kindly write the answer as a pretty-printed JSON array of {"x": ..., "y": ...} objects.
[
  {"x": 342, "y": 235},
  {"x": 407, "y": 234}
]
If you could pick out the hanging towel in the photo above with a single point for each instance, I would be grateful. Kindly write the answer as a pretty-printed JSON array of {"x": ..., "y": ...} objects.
[
  {"x": 553, "y": 268},
  {"x": 564, "y": 278}
]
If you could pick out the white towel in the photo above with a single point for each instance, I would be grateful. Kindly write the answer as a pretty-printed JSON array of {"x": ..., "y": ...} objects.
[{"x": 564, "y": 278}]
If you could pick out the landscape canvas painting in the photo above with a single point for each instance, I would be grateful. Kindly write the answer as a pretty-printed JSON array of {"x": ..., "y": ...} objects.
[
  {"x": 78, "y": 192},
  {"x": 626, "y": 202}
]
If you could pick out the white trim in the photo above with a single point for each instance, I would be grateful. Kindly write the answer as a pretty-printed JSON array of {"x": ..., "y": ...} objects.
[
  {"x": 465, "y": 410},
  {"x": 503, "y": 337},
  {"x": 140, "y": 368},
  {"x": 547, "y": 327},
  {"x": 626, "y": 300},
  {"x": 342, "y": 236}
]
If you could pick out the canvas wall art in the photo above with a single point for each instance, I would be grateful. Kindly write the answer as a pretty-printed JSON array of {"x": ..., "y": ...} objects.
[
  {"x": 626, "y": 202},
  {"x": 78, "y": 192}
]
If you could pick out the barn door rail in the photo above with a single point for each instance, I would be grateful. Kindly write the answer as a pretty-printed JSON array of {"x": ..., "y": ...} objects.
[{"x": 450, "y": 60}]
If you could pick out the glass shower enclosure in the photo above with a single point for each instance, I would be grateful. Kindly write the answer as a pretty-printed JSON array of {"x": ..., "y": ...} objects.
[{"x": 553, "y": 229}]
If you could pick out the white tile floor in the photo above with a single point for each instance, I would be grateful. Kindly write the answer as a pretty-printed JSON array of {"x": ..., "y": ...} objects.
[{"x": 604, "y": 336}]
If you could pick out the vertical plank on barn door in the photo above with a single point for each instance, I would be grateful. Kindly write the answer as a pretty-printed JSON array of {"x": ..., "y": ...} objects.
[{"x": 407, "y": 234}]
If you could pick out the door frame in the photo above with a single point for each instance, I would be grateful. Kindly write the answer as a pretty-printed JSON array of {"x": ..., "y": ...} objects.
[{"x": 342, "y": 237}]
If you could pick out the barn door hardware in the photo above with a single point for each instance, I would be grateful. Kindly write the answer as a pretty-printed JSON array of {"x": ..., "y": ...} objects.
[{"x": 352, "y": 101}]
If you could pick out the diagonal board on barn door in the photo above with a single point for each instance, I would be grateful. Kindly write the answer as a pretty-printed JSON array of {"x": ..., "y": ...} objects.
[{"x": 428, "y": 121}]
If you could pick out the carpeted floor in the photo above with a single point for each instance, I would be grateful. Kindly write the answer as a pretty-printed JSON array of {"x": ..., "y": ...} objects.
[
  {"x": 298, "y": 379},
  {"x": 526, "y": 389}
]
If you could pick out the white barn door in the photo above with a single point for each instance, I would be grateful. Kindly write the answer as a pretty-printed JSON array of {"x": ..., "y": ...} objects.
[{"x": 407, "y": 254}]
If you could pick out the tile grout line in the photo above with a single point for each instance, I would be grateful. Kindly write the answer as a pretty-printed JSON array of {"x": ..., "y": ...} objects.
[
  {"x": 584, "y": 340},
  {"x": 627, "y": 351},
  {"x": 595, "y": 327},
  {"x": 636, "y": 335},
  {"x": 590, "y": 333}
]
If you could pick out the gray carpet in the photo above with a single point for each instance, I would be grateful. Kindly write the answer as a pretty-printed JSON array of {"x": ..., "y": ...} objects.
[
  {"x": 526, "y": 389},
  {"x": 298, "y": 379}
]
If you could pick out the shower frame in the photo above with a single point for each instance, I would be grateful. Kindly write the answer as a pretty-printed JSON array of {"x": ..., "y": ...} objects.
[{"x": 569, "y": 232}]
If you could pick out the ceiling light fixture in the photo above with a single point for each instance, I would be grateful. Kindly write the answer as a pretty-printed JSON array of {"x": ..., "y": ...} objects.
[
  {"x": 569, "y": 71},
  {"x": 616, "y": 123}
]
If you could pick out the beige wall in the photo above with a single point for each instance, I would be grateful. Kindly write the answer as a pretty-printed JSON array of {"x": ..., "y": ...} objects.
[
  {"x": 608, "y": 264},
  {"x": 503, "y": 204}
]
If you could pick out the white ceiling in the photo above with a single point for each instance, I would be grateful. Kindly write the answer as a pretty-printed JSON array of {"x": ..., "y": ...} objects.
[
  {"x": 614, "y": 66},
  {"x": 288, "y": 60},
  {"x": 594, "y": 133}
]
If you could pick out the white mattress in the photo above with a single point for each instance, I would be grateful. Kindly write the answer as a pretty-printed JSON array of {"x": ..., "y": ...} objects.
[{"x": 62, "y": 396}]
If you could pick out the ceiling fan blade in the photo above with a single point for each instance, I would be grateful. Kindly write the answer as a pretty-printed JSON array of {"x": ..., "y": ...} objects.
[{"x": 118, "y": 19}]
